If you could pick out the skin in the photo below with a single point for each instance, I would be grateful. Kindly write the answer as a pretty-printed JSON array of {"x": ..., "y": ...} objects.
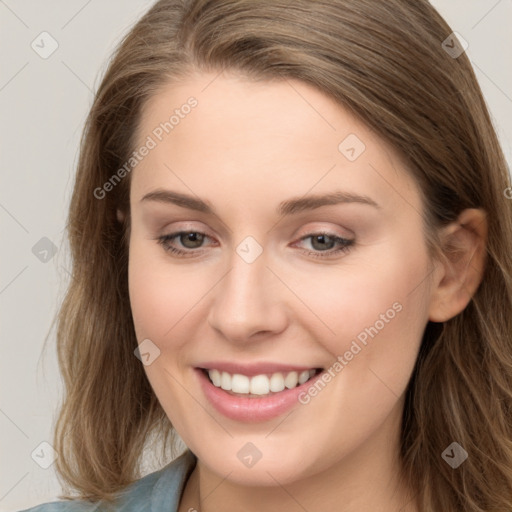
[{"x": 246, "y": 147}]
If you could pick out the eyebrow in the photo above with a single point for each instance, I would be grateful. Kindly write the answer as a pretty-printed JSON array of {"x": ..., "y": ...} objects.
[{"x": 288, "y": 207}]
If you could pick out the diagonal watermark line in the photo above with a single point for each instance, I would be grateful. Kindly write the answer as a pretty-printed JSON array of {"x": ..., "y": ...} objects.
[
  {"x": 280, "y": 423},
  {"x": 487, "y": 250},
  {"x": 383, "y": 382},
  {"x": 219, "y": 219},
  {"x": 14, "y": 14},
  {"x": 284, "y": 489},
  {"x": 486, "y": 14},
  {"x": 203, "y": 499},
  {"x": 76, "y": 14},
  {"x": 68, "y": 272},
  {"x": 422, "y": 281},
  {"x": 301, "y": 300},
  {"x": 491, "y": 80},
  {"x": 90, "y": 90},
  {"x": 13, "y": 279},
  {"x": 14, "y": 423},
  {"x": 14, "y": 76},
  {"x": 212, "y": 80},
  {"x": 303, "y": 196},
  {"x": 198, "y": 402},
  {"x": 412, "y": 206},
  {"x": 13, "y": 486},
  {"x": 288, "y": 82},
  {"x": 218, "y": 281},
  {"x": 14, "y": 218}
]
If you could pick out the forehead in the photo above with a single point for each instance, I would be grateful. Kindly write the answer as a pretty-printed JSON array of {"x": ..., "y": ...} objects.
[{"x": 285, "y": 137}]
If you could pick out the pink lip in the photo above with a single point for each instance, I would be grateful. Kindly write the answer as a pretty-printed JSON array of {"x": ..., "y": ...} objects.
[
  {"x": 252, "y": 369},
  {"x": 251, "y": 410}
]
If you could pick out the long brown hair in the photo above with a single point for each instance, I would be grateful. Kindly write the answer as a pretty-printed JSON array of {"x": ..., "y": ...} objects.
[{"x": 385, "y": 62}]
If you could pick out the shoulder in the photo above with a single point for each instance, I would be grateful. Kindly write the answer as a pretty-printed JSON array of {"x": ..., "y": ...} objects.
[{"x": 158, "y": 491}]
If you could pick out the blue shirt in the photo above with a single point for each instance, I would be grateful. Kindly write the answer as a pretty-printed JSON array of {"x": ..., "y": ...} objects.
[{"x": 160, "y": 491}]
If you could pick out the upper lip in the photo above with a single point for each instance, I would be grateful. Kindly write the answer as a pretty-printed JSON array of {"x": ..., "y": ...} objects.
[{"x": 252, "y": 369}]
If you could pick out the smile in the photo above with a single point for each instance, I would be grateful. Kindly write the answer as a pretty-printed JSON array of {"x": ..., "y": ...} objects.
[
  {"x": 254, "y": 391},
  {"x": 259, "y": 385}
]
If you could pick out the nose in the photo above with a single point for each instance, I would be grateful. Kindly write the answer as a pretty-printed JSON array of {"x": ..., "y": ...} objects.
[{"x": 249, "y": 302}]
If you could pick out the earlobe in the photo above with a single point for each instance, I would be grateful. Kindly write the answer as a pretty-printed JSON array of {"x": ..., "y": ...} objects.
[
  {"x": 464, "y": 248},
  {"x": 120, "y": 215}
]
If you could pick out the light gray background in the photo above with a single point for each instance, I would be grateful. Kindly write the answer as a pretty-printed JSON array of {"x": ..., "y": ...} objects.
[{"x": 43, "y": 104}]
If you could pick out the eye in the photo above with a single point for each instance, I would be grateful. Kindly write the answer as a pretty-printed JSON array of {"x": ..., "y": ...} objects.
[
  {"x": 190, "y": 240},
  {"x": 324, "y": 244}
]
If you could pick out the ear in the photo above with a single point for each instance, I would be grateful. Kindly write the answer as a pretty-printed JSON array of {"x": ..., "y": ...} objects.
[
  {"x": 120, "y": 215},
  {"x": 464, "y": 248}
]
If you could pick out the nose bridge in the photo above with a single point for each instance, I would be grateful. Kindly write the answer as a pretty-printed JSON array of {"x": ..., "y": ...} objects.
[{"x": 247, "y": 300}]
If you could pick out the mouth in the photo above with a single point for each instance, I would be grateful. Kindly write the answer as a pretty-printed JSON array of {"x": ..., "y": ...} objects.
[{"x": 258, "y": 386}]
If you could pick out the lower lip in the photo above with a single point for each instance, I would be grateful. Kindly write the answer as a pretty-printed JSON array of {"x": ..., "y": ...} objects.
[{"x": 252, "y": 409}]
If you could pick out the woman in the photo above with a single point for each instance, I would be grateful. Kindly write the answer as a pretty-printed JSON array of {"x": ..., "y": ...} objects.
[{"x": 291, "y": 244}]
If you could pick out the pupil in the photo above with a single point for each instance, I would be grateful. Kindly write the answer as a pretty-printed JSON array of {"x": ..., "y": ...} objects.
[
  {"x": 195, "y": 238},
  {"x": 322, "y": 239}
]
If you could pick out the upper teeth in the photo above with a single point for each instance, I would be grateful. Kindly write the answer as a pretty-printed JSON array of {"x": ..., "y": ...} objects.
[{"x": 259, "y": 384}]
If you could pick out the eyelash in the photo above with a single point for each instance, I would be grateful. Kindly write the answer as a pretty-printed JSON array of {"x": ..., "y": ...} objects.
[{"x": 345, "y": 248}]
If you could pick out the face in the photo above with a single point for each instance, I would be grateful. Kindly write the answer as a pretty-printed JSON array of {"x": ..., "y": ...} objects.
[{"x": 299, "y": 246}]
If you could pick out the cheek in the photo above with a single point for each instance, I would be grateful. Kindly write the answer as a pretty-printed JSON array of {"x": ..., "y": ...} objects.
[
  {"x": 372, "y": 312},
  {"x": 159, "y": 297},
  {"x": 162, "y": 302}
]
